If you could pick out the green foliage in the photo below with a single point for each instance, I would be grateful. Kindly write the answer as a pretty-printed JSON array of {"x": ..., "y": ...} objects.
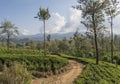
[
  {"x": 116, "y": 57},
  {"x": 38, "y": 63},
  {"x": 43, "y": 14},
  {"x": 15, "y": 74},
  {"x": 32, "y": 59},
  {"x": 21, "y": 52}
]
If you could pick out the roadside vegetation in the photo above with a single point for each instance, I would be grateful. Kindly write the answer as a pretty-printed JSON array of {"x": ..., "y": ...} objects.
[
  {"x": 15, "y": 74},
  {"x": 99, "y": 74},
  {"x": 104, "y": 73},
  {"x": 33, "y": 60}
]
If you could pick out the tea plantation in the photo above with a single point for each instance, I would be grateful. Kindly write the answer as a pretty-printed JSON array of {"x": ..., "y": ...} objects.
[
  {"x": 33, "y": 60},
  {"x": 104, "y": 73}
]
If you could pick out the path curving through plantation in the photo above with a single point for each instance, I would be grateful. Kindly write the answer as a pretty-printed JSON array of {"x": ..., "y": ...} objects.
[{"x": 67, "y": 77}]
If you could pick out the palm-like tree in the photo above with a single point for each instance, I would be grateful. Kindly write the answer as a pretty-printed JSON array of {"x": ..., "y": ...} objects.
[
  {"x": 43, "y": 15},
  {"x": 9, "y": 30}
]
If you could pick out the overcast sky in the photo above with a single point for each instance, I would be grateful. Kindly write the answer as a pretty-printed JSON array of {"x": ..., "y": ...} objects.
[{"x": 63, "y": 19}]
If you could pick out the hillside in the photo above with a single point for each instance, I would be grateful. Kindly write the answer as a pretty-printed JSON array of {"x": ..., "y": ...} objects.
[
  {"x": 104, "y": 73},
  {"x": 53, "y": 65}
]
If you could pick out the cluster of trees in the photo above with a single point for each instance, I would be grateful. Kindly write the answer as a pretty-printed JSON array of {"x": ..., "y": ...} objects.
[
  {"x": 93, "y": 43},
  {"x": 93, "y": 13}
]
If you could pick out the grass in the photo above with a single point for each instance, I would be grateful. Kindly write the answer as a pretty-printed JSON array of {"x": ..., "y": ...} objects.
[{"x": 15, "y": 74}]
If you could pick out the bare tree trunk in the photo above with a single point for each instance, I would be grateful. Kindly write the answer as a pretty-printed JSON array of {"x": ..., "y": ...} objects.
[
  {"x": 8, "y": 42},
  {"x": 95, "y": 39},
  {"x": 96, "y": 47},
  {"x": 111, "y": 39},
  {"x": 44, "y": 40},
  {"x": 102, "y": 41}
]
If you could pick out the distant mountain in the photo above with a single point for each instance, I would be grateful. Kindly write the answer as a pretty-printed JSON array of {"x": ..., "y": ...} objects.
[{"x": 38, "y": 37}]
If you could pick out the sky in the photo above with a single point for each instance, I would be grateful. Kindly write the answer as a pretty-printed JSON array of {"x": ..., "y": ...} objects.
[{"x": 64, "y": 18}]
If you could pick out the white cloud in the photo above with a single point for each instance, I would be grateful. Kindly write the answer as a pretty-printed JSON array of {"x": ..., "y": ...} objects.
[
  {"x": 61, "y": 24},
  {"x": 65, "y": 24},
  {"x": 55, "y": 23},
  {"x": 73, "y": 20},
  {"x": 26, "y": 32}
]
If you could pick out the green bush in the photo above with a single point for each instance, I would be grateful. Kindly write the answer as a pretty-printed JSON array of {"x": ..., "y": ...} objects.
[
  {"x": 15, "y": 74},
  {"x": 38, "y": 63},
  {"x": 13, "y": 52},
  {"x": 104, "y": 73}
]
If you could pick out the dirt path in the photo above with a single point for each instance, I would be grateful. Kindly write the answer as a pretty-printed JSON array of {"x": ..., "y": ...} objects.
[{"x": 65, "y": 78}]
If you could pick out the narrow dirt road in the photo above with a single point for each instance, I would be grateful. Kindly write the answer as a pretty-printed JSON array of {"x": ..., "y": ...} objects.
[{"x": 65, "y": 78}]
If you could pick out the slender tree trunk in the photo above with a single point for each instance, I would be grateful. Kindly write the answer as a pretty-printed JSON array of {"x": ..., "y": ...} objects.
[
  {"x": 119, "y": 45},
  {"x": 95, "y": 39},
  {"x": 96, "y": 47},
  {"x": 8, "y": 42},
  {"x": 44, "y": 47},
  {"x": 102, "y": 41},
  {"x": 44, "y": 39},
  {"x": 111, "y": 23}
]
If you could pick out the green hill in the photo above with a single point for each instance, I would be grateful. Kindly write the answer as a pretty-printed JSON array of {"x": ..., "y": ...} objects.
[{"x": 104, "y": 73}]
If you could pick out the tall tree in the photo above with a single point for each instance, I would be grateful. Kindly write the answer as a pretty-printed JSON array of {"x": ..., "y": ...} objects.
[
  {"x": 92, "y": 13},
  {"x": 43, "y": 15},
  {"x": 9, "y": 30},
  {"x": 112, "y": 11}
]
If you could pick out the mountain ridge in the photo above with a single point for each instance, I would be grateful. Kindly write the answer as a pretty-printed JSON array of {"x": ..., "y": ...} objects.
[{"x": 39, "y": 37}]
